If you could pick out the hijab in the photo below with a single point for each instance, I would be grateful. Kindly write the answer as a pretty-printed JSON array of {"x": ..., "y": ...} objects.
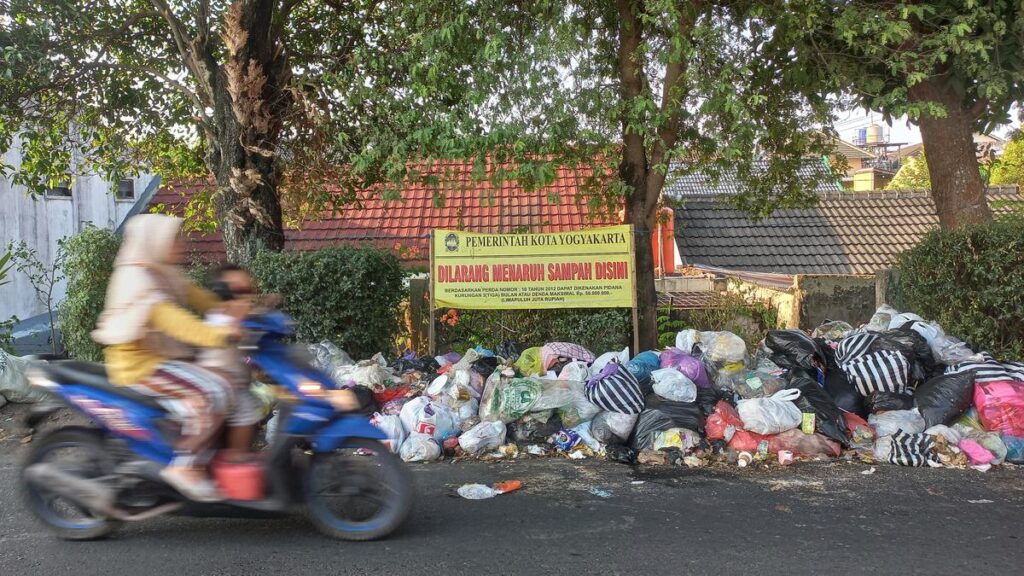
[{"x": 143, "y": 277}]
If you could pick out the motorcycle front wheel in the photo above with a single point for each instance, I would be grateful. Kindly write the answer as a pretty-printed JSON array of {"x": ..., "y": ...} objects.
[{"x": 362, "y": 491}]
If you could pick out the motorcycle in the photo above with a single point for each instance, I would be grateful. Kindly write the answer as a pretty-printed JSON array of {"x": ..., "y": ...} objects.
[{"x": 85, "y": 482}]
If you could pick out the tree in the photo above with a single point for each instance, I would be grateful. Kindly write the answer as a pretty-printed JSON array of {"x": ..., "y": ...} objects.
[
  {"x": 1008, "y": 170},
  {"x": 43, "y": 278},
  {"x": 952, "y": 66},
  {"x": 913, "y": 175},
  {"x": 626, "y": 89},
  {"x": 236, "y": 90}
]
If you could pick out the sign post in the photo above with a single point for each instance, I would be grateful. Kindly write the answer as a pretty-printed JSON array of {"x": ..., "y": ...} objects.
[{"x": 590, "y": 268}]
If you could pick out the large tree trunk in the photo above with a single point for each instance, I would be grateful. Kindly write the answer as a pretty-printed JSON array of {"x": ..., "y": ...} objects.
[{"x": 957, "y": 189}]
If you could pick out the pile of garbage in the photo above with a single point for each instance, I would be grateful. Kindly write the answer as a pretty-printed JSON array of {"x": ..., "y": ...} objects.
[{"x": 897, "y": 390}]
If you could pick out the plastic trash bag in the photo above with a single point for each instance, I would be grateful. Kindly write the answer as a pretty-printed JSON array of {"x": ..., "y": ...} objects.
[
  {"x": 689, "y": 365},
  {"x": 14, "y": 385},
  {"x": 772, "y": 415},
  {"x": 529, "y": 362},
  {"x": 834, "y": 330},
  {"x": 1001, "y": 406},
  {"x": 723, "y": 423},
  {"x": 622, "y": 357},
  {"x": 903, "y": 319},
  {"x": 731, "y": 376},
  {"x": 579, "y": 409},
  {"x": 587, "y": 437},
  {"x": 1014, "y": 448},
  {"x": 882, "y": 318},
  {"x": 679, "y": 438},
  {"x": 509, "y": 351},
  {"x": 671, "y": 384},
  {"x": 621, "y": 454},
  {"x": 829, "y": 420},
  {"x": 648, "y": 424},
  {"x": 794, "y": 349},
  {"x": 421, "y": 416},
  {"x": 747, "y": 441},
  {"x": 483, "y": 437},
  {"x": 951, "y": 351},
  {"x": 888, "y": 423},
  {"x": 860, "y": 432},
  {"x": 804, "y": 445},
  {"x": 555, "y": 352},
  {"x": 843, "y": 392},
  {"x": 683, "y": 414},
  {"x": 906, "y": 449},
  {"x": 485, "y": 366},
  {"x": 392, "y": 427},
  {"x": 944, "y": 398},
  {"x": 976, "y": 453},
  {"x": 535, "y": 427},
  {"x": 575, "y": 371},
  {"x": 371, "y": 374},
  {"x": 621, "y": 424},
  {"x": 420, "y": 448},
  {"x": 758, "y": 384},
  {"x": 723, "y": 347},
  {"x": 887, "y": 402},
  {"x": 686, "y": 340},
  {"x": 511, "y": 399},
  {"x": 708, "y": 398},
  {"x": 913, "y": 346},
  {"x": 641, "y": 367}
]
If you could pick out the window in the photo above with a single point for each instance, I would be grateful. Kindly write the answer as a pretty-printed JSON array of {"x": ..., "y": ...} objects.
[
  {"x": 126, "y": 189},
  {"x": 60, "y": 189}
]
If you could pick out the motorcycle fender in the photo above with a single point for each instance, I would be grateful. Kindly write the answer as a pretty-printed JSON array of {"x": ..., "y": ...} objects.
[{"x": 332, "y": 436}]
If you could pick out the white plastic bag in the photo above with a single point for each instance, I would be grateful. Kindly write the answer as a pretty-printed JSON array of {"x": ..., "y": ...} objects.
[
  {"x": 579, "y": 410},
  {"x": 772, "y": 415},
  {"x": 371, "y": 374},
  {"x": 671, "y": 384},
  {"x": 575, "y": 371},
  {"x": 421, "y": 416},
  {"x": 888, "y": 423},
  {"x": 882, "y": 318},
  {"x": 898, "y": 320},
  {"x": 621, "y": 424},
  {"x": 392, "y": 427},
  {"x": 686, "y": 340},
  {"x": 420, "y": 448},
  {"x": 587, "y": 437},
  {"x": 554, "y": 394},
  {"x": 483, "y": 437},
  {"x": 723, "y": 347},
  {"x": 604, "y": 359},
  {"x": 952, "y": 351},
  {"x": 14, "y": 384}
]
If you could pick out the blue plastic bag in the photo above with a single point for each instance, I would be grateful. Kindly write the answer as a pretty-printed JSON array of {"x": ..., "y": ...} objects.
[
  {"x": 1014, "y": 448},
  {"x": 641, "y": 367}
]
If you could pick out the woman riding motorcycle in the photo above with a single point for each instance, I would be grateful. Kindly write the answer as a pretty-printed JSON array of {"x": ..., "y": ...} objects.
[{"x": 150, "y": 335}]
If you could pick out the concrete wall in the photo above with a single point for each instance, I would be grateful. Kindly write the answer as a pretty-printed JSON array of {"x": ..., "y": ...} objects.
[
  {"x": 784, "y": 301},
  {"x": 834, "y": 297},
  {"x": 43, "y": 221}
]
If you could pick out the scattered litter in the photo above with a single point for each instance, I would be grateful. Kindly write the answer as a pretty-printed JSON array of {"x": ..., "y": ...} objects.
[
  {"x": 482, "y": 492},
  {"x": 869, "y": 471},
  {"x": 600, "y": 493},
  {"x": 536, "y": 450},
  {"x": 637, "y": 482},
  {"x": 982, "y": 501},
  {"x": 26, "y": 439}
]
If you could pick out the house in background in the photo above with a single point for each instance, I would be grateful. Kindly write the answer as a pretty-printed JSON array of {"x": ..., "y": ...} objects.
[{"x": 63, "y": 211}]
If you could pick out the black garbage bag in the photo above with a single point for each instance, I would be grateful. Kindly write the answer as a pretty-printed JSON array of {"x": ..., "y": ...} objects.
[
  {"x": 404, "y": 364},
  {"x": 683, "y": 414},
  {"x": 648, "y": 424},
  {"x": 485, "y": 366},
  {"x": 707, "y": 399},
  {"x": 943, "y": 399},
  {"x": 839, "y": 387},
  {"x": 509, "y": 351},
  {"x": 888, "y": 401},
  {"x": 534, "y": 430},
  {"x": 621, "y": 454},
  {"x": 914, "y": 347},
  {"x": 828, "y": 418},
  {"x": 794, "y": 349}
]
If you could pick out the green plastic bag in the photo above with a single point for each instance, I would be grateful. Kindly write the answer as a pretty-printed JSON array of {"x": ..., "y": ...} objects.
[
  {"x": 529, "y": 362},
  {"x": 512, "y": 399}
]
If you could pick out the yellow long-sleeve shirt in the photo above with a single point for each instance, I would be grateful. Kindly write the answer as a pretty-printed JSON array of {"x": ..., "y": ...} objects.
[{"x": 133, "y": 362}]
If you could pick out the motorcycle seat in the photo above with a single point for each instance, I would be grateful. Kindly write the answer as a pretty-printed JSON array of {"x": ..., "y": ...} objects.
[{"x": 94, "y": 376}]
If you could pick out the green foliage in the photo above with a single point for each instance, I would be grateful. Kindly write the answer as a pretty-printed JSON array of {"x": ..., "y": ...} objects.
[
  {"x": 668, "y": 326},
  {"x": 88, "y": 264},
  {"x": 348, "y": 295},
  {"x": 1008, "y": 170},
  {"x": 734, "y": 311},
  {"x": 599, "y": 330},
  {"x": 6, "y": 264},
  {"x": 970, "y": 281},
  {"x": 44, "y": 278},
  {"x": 913, "y": 175},
  {"x": 6, "y": 334}
]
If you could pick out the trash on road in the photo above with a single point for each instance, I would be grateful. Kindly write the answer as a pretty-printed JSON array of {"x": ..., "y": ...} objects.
[{"x": 482, "y": 491}]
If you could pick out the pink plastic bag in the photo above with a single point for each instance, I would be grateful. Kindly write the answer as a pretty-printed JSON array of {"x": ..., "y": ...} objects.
[
  {"x": 690, "y": 366},
  {"x": 804, "y": 445},
  {"x": 724, "y": 417},
  {"x": 976, "y": 453},
  {"x": 1001, "y": 406},
  {"x": 746, "y": 441},
  {"x": 553, "y": 352}
]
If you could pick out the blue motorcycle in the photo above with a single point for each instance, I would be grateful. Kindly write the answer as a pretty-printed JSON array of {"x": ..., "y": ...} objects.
[{"x": 85, "y": 482}]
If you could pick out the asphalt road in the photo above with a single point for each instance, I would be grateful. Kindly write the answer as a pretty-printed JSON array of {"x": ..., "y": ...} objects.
[{"x": 807, "y": 519}]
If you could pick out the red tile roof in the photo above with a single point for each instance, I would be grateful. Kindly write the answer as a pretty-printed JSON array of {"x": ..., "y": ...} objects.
[{"x": 404, "y": 225}]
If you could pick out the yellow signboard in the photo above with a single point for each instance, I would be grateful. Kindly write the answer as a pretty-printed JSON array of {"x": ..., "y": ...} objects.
[{"x": 592, "y": 268}]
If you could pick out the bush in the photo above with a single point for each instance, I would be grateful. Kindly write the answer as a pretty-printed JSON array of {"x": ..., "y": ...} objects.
[
  {"x": 88, "y": 264},
  {"x": 739, "y": 313},
  {"x": 971, "y": 281},
  {"x": 599, "y": 330},
  {"x": 348, "y": 295}
]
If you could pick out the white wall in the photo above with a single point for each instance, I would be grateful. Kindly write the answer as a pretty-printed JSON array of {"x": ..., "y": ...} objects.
[{"x": 43, "y": 221}]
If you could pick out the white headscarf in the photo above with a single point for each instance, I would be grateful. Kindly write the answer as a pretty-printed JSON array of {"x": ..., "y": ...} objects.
[{"x": 143, "y": 277}]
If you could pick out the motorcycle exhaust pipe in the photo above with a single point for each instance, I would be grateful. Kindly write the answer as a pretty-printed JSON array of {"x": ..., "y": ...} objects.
[{"x": 90, "y": 494}]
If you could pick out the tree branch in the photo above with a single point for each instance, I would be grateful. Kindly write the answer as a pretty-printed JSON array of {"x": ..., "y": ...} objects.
[{"x": 188, "y": 50}]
